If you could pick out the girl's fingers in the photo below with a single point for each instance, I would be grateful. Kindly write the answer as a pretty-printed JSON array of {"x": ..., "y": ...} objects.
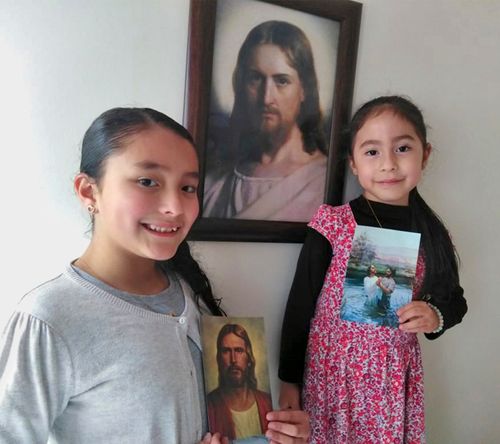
[
  {"x": 412, "y": 310},
  {"x": 214, "y": 439},
  {"x": 413, "y": 326},
  {"x": 420, "y": 324},
  {"x": 288, "y": 426},
  {"x": 417, "y": 317},
  {"x": 275, "y": 437},
  {"x": 206, "y": 439}
]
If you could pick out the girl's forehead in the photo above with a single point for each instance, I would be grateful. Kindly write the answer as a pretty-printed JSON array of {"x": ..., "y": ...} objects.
[
  {"x": 157, "y": 145},
  {"x": 156, "y": 134},
  {"x": 393, "y": 118},
  {"x": 386, "y": 113},
  {"x": 386, "y": 122}
]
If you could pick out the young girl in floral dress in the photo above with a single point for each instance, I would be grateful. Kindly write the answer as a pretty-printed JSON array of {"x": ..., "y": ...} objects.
[{"x": 363, "y": 383}]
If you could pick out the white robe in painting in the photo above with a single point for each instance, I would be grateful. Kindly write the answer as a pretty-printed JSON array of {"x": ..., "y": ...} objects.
[
  {"x": 372, "y": 290},
  {"x": 292, "y": 198}
]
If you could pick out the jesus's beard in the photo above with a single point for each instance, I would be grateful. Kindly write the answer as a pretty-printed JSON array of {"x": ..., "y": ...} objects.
[
  {"x": 268, "y": 126},
  {"x": 269, "y": 140},
  {"x": 234, "y": 377}
]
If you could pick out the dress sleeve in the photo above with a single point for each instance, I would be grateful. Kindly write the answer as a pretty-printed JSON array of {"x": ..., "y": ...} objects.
[
  {"x": 35, "y": 380},
  {"x": 453, "y": 308},
  {"x": 313, "y": 262}
]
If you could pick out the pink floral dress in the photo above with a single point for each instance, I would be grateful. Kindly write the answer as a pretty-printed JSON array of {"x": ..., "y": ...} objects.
[{"x": 363, "y": 383}]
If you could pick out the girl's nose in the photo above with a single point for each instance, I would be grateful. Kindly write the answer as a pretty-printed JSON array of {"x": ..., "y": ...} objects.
[
  {"x": 388, "y": 162},
  {"x": 171, "y": 203}
]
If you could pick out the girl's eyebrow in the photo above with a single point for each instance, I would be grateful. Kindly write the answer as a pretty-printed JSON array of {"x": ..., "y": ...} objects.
[
  {"x": 394, "y": 140},
  {"x": 370, "y": 142},
  {"x": 192, "y": 174},
  {"x": 403, "y": 137},
  {"x": 148, "y": 165}
]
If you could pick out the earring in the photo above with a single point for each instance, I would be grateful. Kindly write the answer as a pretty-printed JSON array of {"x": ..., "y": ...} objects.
[{"x": 91, "y": 209}]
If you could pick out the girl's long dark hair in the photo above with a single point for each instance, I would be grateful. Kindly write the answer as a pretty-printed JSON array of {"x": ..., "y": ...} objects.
[
  {"x": 441, "y": 258},
  {"x": 107, "y": 134},
  {"x": 185, "y": 265}
]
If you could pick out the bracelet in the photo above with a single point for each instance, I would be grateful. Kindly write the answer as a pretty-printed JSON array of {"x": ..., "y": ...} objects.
[{"x": 440, "y": 317}]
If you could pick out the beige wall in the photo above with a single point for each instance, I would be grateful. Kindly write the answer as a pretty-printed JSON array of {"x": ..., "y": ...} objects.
[{"x": 65, "y": 62}]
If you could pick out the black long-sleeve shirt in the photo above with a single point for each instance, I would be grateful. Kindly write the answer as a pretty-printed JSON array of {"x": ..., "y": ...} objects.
[{"x": 312, "y": 265}]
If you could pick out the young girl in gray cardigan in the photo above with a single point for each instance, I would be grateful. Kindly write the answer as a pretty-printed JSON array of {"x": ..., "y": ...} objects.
[{"x": 109, "y": 350}]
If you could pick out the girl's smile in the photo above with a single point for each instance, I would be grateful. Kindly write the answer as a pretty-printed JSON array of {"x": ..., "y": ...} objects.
[
  {"x": 390, "y": 181},
  {"x": 161, "y": 230}
]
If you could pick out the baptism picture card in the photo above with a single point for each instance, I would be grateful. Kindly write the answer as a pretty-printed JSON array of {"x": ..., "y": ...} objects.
[{"x": 380, "y": 275}]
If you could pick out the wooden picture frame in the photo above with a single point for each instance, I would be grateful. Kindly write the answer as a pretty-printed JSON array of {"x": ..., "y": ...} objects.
[{"x": 208, "y": 20}]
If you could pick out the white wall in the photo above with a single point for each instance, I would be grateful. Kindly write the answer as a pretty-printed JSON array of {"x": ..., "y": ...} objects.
[{"x": 63, "y": 62}]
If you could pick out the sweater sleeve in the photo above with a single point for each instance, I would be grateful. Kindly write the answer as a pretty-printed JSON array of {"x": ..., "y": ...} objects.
[
  {"x": 453, "y": 308},
  {"x": 312, "y": 265},
  {"x": 35, "y": 376}
]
